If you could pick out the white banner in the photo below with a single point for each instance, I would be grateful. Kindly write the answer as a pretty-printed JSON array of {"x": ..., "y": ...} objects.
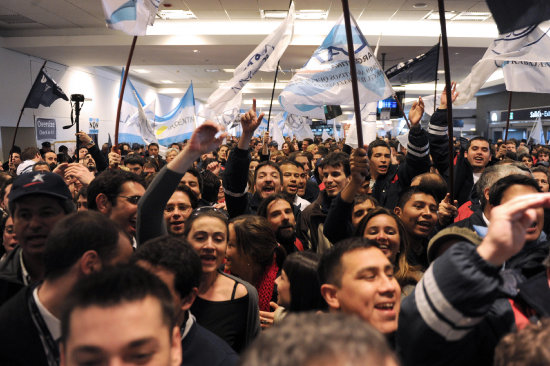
[{"x": 131, "y": 17}]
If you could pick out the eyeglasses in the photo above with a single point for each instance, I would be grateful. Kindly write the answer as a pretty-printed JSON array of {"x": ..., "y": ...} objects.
[
  {"x": 132, "y": 199},
  {"x": 204, "y": 209}
]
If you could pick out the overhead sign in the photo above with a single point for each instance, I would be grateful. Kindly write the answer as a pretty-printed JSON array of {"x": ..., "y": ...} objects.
[
  {"x": 526, "y": 114},
  {"x": 46, "y": 129}
]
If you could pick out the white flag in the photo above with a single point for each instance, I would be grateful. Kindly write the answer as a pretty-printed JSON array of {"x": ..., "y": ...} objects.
[
  {"x": 271, "y": 48},
  {"x": 368, "y": 126},
  {"x": 130, "y": 16},
  {"x": 326, "y": 78},
  {"x": 299, "y": 126},
  {"x": 538, "y": 133},
  {"x": 524, "y": 56},
  {"x": 325, "y": 135},
  {"x": 275, "y": 130}
]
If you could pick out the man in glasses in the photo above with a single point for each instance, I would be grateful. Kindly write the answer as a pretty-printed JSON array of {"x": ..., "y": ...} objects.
[{"x": 115, "y": 193}]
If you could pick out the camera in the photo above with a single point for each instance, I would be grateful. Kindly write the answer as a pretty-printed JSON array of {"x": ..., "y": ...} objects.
[{"x": 77, "y": 98}]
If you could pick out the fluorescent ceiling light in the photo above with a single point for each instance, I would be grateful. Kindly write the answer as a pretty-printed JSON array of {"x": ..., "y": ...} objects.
[
  {"x": 141, "y": 71},
  {"x": 176, "y": 14},
  {"x": 440, "y": 71},
  {"x": 229, "y": 70},
  {"x": 470, "y": 15},
  {"x": 212, "y": 70},
  {"x": 167, "y": 81},
  {"x": 305, "y": 14},
  {"x": 434, "y": 15}
]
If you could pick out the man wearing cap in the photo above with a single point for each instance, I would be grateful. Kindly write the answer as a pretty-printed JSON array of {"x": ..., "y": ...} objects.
[{"x": 37, "y": 201}]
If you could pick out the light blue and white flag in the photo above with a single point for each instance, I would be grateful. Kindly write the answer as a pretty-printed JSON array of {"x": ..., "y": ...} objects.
[
  {"x": 275, "y": 130},
  {"x": 299, "y": 126},
  {"x": 137, "y": 127},
  {"x": 130, "y": 16},
  {"x": 524, "y": 56},
  {"x": 179, "y": 124},
  {"x": 264, "y": 57},
  {"x": 326, "y": 80}
]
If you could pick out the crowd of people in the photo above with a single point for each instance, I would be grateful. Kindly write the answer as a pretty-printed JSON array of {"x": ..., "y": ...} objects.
[{"x": 225, "y": 251}]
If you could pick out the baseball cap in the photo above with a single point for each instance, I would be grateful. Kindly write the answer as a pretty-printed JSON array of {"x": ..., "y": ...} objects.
[
  {"x": 35, "y": 183},
  {"x": 452, "y": 233}
]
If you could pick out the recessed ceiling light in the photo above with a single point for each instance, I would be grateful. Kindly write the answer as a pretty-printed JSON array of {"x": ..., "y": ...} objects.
[
  {"x": 167, "y": 81},
  {"x": 470, "y": 15},
  {"x": 434, "y": 15},
  {"x": 420, "y": 5},
  {"x": 307, "y": 14},
  {"x": 212, "y": 70},
  {"x": 440, "y": 71},
  {"x": 176, "y": 14},
  {"x": 229, "y": 70},
  {"x": 195, "y": 51},
  {"x": 141, "y": 71}
]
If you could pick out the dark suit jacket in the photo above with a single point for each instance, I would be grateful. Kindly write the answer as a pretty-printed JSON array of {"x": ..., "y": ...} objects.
[
  {"x": 19, "y": 340},
  {"x": 202, "y": 347}
]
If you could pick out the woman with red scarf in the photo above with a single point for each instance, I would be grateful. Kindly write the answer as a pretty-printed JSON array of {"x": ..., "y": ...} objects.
[{"x": 254, "y": 255}]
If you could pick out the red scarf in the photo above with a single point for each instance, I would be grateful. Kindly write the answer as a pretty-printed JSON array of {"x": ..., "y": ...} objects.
[{"x": 266, "y": 285}]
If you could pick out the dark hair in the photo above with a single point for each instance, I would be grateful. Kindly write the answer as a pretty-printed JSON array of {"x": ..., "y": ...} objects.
[
  {"x": 204, "y": 212},
  {"x": 133, "y": 159},
  {"x": 478, "y": 138},
  {"x": 256, "y": 239},
  {"x": 543, "y": 150},
  {"x": 404, "y": 272},
  {"x": 295, "y": 154},
  {"x": 76, "y": 234},
  {"x": 512, "y": 141},
  {"x": 262, "y": 208},
  {"x": 408, "y": 193},
  {"x": 40, "y": 163},
  {"x": 527, "y": 347},
  {"x": 152, "y": 144},
  {"x": 271, "y": 164},
  {"x": 497, "y": 190},
  {"x": 305, "y": 289},
  {"x": 29, "y": 153},
  {"x": 521, "y": 156},
  {"x": 291, "y": 162},
  {"x": 336, "y": 159},
  {"x": 210, "y": 186},
  {"x": 377, "y": 143},
  {"x": 175, "y": 255},
  {"x": 116, "y": 286},
  {"x": 364, "y": 197},
  {"x": 330, "y": 265},
  {"x": 541, "y": 169},
  {"x": 189, "y": 192},
  {"x": 434, "y": 183},
  {"x": 194, "y": 172},
  {"x": 319, "y": 339},
  {"x": 109, "y": 182}
]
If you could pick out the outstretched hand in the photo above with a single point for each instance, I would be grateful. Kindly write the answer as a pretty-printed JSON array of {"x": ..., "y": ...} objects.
[
  {"x": 416, "y": 112},
  {"x": 508, "y": 227},
  {"x": 249, "y": 121},
  {"x": 454, "y": 95},
  {"x": 207, "y": 137}
]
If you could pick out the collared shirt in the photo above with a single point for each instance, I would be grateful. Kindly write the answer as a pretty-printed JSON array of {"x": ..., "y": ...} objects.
[
  {"x": 300, "y": 202},
  {"x": 188, "y": 324},
  {"x": 53, "y": 324},
  {"x": 24, "y": 273}
]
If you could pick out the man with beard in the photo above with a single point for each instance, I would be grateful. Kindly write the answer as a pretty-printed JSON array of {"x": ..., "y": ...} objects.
[
  {"x": 51, "y": 158},
  {"x": 278, "y": 211},
  {"x": 267, "y": 176}
]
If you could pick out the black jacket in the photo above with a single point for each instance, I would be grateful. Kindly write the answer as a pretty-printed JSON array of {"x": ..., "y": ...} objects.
[
  {"x": 202, "y": 347},
  {"x": 388, "y": 187}
]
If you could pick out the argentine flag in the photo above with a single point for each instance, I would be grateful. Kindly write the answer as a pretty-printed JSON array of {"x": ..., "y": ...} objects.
[
  {"x": 179, "y": 124},
  {"x": 130, "y": 16},
  {"x": 326, "y": 80}
]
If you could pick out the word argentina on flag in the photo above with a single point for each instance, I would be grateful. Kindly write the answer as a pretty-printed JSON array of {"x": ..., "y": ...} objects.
[
  {"x": 44, "y": 92},
  {"x": 524, "y": 56},
  {"x": 326, "y": 79},
  {"x": 179, "y": 124},
  {"x": 267, "y": 53},
  {"x": 130, "y": 16}
]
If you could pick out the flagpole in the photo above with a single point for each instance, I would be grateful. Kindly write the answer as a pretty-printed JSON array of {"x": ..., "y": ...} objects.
[
  {"x": 437, "y": 67},
  {"x": 22, "y": 109},
  {"x": 353, "y": 72},
  {"x": 400, "y": 106},
  {"x": 508, "y": 117},
  {"x": 126, "y": 71},
  {"x": 442, "y": 22},
  {"x": 274, "y": 83}
]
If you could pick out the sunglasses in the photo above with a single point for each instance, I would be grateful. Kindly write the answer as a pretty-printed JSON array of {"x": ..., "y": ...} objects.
[{"x": 132, "y": 199}]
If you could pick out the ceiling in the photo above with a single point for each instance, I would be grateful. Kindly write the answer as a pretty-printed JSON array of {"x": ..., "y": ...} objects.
[{"x": 73, "y": 33}]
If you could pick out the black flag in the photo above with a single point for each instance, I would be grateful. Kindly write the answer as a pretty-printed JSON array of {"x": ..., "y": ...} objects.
[
  {"x": 44, "y": 91},
  {"x": 511, "y": 15},
  {"x": 421, "y": 69}
]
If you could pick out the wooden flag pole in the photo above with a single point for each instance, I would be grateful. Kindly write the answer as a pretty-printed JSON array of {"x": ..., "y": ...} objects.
[
  {"x": 448, "y": 92},
  {"x": 126, "y": 71},
  {"x": 508, "y": 117},
  {"x": 400, "y": 106},
  {"x": 22, "y": 109},
  {"x": 353, "y": 72}
]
